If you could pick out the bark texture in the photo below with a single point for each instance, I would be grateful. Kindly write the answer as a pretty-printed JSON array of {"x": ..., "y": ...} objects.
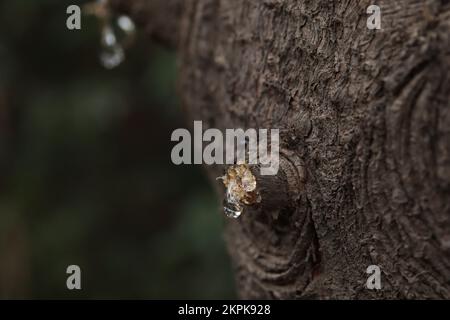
[{"x": 367, "y": 112}]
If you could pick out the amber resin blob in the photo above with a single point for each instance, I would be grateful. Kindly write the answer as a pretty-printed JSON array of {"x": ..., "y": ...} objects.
[{"x": 241, "y": 190}]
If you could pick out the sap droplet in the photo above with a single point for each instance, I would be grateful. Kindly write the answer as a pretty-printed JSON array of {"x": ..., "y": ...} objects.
[
  {"x": 108, "y": 37},
  {"x": 232, "y": 209},
  {"x": 112, "y": 53},
  {"x": 126, "y": 24},
  {"x": 112, "y": 56},
  {"x": 231, "y": 206}
]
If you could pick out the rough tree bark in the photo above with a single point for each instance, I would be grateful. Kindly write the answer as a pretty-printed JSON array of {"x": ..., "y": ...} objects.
[{"x": 368, "y": 113}]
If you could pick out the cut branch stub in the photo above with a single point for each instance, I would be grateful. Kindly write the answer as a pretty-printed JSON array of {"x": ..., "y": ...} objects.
[{"x": 247, "y": 187}]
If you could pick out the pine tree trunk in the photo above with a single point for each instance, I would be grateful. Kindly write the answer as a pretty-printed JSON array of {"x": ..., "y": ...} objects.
[{"x": 366, "y": 111}]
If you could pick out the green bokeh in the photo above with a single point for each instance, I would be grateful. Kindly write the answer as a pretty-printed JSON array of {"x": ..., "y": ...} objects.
[{"x": 85, "y": 170}]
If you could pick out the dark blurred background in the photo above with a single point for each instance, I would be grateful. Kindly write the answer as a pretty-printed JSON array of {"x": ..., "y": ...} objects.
[{"x": 85, "y": 170}]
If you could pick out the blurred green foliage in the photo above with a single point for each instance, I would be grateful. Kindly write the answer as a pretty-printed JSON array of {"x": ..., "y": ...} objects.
[{"x": 85, "y": 170}]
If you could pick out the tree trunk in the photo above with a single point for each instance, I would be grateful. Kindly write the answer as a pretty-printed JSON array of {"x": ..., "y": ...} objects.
[{"x": 366, "y": 111}]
